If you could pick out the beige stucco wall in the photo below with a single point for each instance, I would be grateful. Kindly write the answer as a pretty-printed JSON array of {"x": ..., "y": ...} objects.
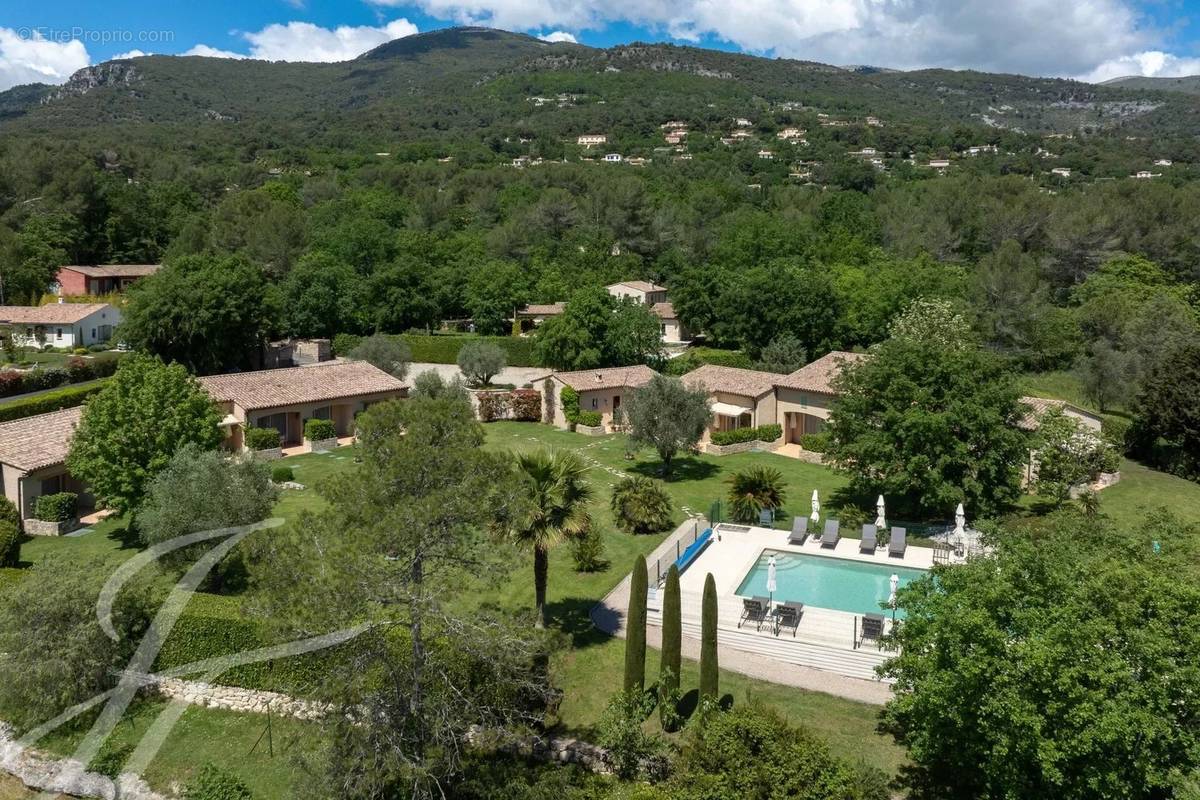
[
  {"x": 23, "y": 488},
  {"x": 603, "y": 402},
  {"x": 342, "y": 412},
  {"x": 796, "y": 402},
  {"x": 762, "y": 409}
]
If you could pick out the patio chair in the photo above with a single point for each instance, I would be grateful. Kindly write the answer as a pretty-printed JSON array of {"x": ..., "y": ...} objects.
[
  {"x": 754, "y": 609},
  {"x": 899, "y": 543},
  {"x": 831, "y": 535},
  {"x": 868, "y": 543},
  {"x": 799, "y": 530},
  {"x": 872, "y": 628},
  {"x": 788, "y": 616}
]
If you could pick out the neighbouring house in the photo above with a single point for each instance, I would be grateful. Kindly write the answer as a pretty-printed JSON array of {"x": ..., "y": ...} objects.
[
  {"x": 285, "y": 398},
  {"x": 1163, "y": 162},
  {"x": 874, "y": 122},
  {"x": 790, "y": 134},
  {"x": 1062, "y": 172},
  {"x": 600, "y": 390},
  {"x": 592, "y": 139},
  {"x": 99, "y": 279},
  {"x": 672, "y": 330},
  {"x": 296, "y": 353},
  {"x": 804, "y": 398},
  {"x": 939, "y": 163},
  {"x": 537, "y": 313},
  {"x": 613, "y": 158},
  {"x": 766, "y": 155},
  {"x": 741, "y": 398},
  {"x": 641, "y": 291},
  {"x": 60, "y": 324},
  {"x": 33, "y": 455}
]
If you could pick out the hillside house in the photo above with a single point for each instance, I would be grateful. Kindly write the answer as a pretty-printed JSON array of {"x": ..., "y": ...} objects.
[
  {"x": 672, "y": 330},
  {"x": 790, "y": 134},
  {"x": 537, "y": 313},
  {"x": 1144, "y": 174},
  {"x": 804, "y": 398},
  {"x": 1163, "y": 162},
  {"x": 592, "y": 139},
  {"x": 642, "y": 291},
  {"x": 33, "y": 455},
  {"x": 1037, "y": 406},
  {"x": 1062, "y": 172},
  {"x": 75, "y": 280},
  {"x": 939, "y": 163},
  {"x": 613, "y": 158},
  {"x": 766, "y": 155},
  {"x": 599, "y": 390},
  {"x": 60, "y": 324},
  {"x": 874, "y": 122},
  {"x": 285, "y": 398},
  {"x": 981, "y": 149},
  {"x": 742, "y": 122}
]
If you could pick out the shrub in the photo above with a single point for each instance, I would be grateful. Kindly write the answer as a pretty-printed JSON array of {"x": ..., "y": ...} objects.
[
  {"x": 492, "y": 405},
  {"x": 58, "y": 507},
  {"x": 641, "y": 505},
  {"x": 104, "y": 367},
  {"x": 699, "y": 356},
  {"x": 8, "y": 512},
  {"x": 621, "y": 733},
  {"x": 753, "y": 490},
  {"x": 526, "y": 405},
  {"x": 587, "y": 551},
  {"x": 430, "y": 384},
  {"x": 388, "y": 353},
  {"x": 672, "y": 652},
  {"x": 316, "y": 430},
  {"x": 79, "y": 370},
  {"x": 111, "y": 759},
  {"x": 815, "y": 442},
  {"x": 11, "y": 382},
  {"x": 80, "y": 351},
  {"x": 262, "y": 438},
  {"x": 1115, "y": 431},
  {"x": 769, "y": 433},
  {"x": 98, "y": 348},
  {"x": 51, "y": 401},
  {"x": 735, "y": 436},
  {"x": 282, "y": 473},
  {"x": 41, "y": 379},
  {"x": 570, "y": 403},
  {"x": 343, "y": 343},
  {"x": 9, "y": 536},
  {"x": 214, "y": 783},
  {"x": 589, "y": 419},
  {"x": 444, "y": 348}
]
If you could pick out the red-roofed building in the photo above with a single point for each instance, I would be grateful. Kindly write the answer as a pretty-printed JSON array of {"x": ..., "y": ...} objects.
[{"x": 99, "y": 279}]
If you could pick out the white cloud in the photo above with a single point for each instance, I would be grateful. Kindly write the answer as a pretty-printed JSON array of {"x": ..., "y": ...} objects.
[
  {"x": 27, "y": 57},
  {"x": 1148, "y": 63},
  {"x": 1043, "y": 37},
  {"x": 559, "y": 36},
  {"x": 135, "y": 53},
  {"x": 303, "y": 41}
]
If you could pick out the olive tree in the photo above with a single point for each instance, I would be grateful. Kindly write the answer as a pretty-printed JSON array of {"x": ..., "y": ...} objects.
[{"x": 668, "y": 416}]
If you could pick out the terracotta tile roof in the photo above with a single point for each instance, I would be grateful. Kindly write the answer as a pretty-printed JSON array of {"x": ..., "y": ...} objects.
[
  {"x": 641, "y": 286},
  {"x": 664, "y": 310},
  {"x": 114, "y": 270},
  {"x": 52, "y": 314},
  {"x": 331, "y": 380},
  {"x": 607, "y": 378},
  {"x": 543, "y": 309},
  {"x": 734, "y": 380},
  {"x": 38, "y": 441},
  {"x": 818, "y": 376},
  {"x": 1037, "y": 406}
]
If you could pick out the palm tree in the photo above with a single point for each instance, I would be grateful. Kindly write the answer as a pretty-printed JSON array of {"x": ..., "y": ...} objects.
[
  {"x": 558, "y": 495},
  {"x": 753, "y": 490}
]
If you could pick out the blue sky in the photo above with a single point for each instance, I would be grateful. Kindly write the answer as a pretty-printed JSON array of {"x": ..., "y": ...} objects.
[{"x": 1089, "y": 39}]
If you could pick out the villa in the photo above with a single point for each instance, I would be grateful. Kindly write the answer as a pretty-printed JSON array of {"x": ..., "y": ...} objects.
[
  {"x": 641, "y": 291},
  {"x": 100, "y": 279},
  {"x": 33, "y": 455},
  {"x": 671, "y": 328},
  {"x": 600, "y": 390},
  {"x": 1040, "y": 405},
  {"x": 804, "y": 398},
  {"x": 537, "y": 313},
  {"x": 60, "y": 324},
  {"x": 284, "y": 398},
  {"x": 741, "y": 398},
  {"x": 592, "y": 139}
]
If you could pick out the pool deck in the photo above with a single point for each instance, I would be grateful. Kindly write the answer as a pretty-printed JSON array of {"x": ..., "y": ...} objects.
[{"x": 820, "y": 657}]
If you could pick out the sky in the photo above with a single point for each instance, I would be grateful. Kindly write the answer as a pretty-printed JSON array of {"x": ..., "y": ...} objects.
[{"x": 47, "y": 40}]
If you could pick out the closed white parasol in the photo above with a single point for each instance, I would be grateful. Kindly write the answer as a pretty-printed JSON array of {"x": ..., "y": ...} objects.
[
  {"x": 880, "y": 516},
  {"x": 816, "y": 508}
]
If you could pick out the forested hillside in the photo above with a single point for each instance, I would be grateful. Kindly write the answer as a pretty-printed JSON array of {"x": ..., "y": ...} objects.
[{"x": 382, "y": 193}]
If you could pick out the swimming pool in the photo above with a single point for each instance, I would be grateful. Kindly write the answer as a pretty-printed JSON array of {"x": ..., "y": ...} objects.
[{"x": 837, "y": 583}]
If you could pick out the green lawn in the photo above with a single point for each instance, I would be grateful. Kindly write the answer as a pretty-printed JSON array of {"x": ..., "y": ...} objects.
[
  {"x": 1143, "y": 490},
  {"x": 1057, "y": 385}
]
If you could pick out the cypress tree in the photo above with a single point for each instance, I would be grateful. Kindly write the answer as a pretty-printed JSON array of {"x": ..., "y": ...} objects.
[
  {"x": 672, "y": 645},
  {"x": 708, "y": 641},
  {"x": 635, "y": 629}
]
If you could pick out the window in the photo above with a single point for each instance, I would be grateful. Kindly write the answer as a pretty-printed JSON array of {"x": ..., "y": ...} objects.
[
  {"x": 58, "y": 333},
  {"x": 324, "y": 412},
  {"x": 594, "y": 402},
  {"x": 52, "y": 485},
  {"x": 276, "y": 421}
]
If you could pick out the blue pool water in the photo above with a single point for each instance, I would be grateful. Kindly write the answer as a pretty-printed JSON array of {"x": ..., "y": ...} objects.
[{"x": 837, "y": 583}]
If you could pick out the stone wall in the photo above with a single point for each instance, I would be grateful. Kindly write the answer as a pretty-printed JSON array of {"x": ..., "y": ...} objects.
[
  {"x": 588, "y": 430},
  {"x": 40, "y": 771},
  {"x": 742, "y": 447},
  {"x": 40, "y": 527},
  {"x": 321, "y": 445},
  {"x": 233, "y": 698}
]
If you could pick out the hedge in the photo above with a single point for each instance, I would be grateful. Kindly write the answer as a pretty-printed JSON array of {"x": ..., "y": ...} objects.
[
  {"x": 9, "y": 536},
  {"x": 443, "y": 348},
  {"x": 493, "y": 405},
  {"x": 262, "y": 438},
  {"x": 45, "y": 403},
  {"x": 282, "y": 473},
  {"x": 316, "y": 430},
  {"x": 589, "y": 419},
  {"x": 763, "y": 433},
  {"x": 14, "y": 382},
  {"x": 698, "y": 356},
  {"x": 58, "y": 507},
  {"x": 815, "y": 442}
]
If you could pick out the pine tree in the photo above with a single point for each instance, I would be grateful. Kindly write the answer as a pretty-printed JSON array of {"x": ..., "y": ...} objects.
[
  {"x": 635, "y": 629},
  {"x": 708, "y": 641},
  {"x": 672, "y": 634}
]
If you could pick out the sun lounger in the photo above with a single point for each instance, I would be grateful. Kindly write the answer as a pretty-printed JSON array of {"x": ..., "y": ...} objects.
[
  {"x": 872, "y": 628},
  {"x": 831, "y": 535},
  {"x": 799, "y": 530},
  {"x": 868, "y": 543},
  {"x": 787, "y": 615},
  {"x": 899, "y": 543},
  {"x": 754, "y": 609}
]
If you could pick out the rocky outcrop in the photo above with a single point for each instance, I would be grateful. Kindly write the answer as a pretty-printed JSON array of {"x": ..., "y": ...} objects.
[{"x": 110, "y": 73}]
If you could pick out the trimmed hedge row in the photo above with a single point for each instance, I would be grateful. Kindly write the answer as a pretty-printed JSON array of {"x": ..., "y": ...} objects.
[
  {"x": 45, "y": 403},
  {"x": 58, "y": 507},
  {"x": 262, "y": 438},
  {"x": 443, "y": 348},
  {"x": 317, "y": 430},
  {"x": 699, "y": 356},
  {"x": 763, "y": 433}
]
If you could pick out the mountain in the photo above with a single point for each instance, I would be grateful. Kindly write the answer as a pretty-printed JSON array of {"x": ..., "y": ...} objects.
[
  {"x": 467, "y": 83},
  {"x": 1188, "y": 85}
]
